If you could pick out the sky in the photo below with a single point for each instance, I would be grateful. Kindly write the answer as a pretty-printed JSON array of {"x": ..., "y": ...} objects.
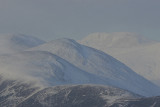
[{"x": 52, "y": 19}]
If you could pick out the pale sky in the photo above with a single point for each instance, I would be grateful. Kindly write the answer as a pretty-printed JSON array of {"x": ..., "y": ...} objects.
[{"x": 51, "y": 19}]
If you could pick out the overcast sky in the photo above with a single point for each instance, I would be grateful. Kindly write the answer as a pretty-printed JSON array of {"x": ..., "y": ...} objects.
[{"x": 50, "y": 19}]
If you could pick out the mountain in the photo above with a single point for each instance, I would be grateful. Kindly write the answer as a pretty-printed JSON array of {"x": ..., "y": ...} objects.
[
  {"x": 105, "y": 69},
  {"x": 60, "y": 73},
  {"x": 12, "y": 43},
  {"x": 77, "y": 96},
  {"x": 137, "y": 52}
]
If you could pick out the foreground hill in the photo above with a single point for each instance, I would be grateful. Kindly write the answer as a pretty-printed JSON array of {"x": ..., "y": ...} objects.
[
  {"x": 77, "y": 96},
  {"x": 15, "y": 93},
  {"x": 88, "y": 96},
  {"x": 137, "y": 52}
]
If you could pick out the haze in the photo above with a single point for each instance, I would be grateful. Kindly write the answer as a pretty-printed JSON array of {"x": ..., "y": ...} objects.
[{"x": 51, "y": 19}]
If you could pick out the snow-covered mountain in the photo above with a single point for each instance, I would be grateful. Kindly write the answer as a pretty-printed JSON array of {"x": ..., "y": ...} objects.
[
  {"x": 137, "y": 52},
  {"x": 29, "y": 68},
  {"x": 102, "y": 67},
  {"x": 64, "y": 61},
  {"x": 12, "y": 43}
]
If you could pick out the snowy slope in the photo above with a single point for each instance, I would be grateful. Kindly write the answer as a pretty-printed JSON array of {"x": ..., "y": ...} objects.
[
  {"x": 11, "y": 43},
  {"x": 104, "y": 67},
  {"x": 137, "y": 52}
]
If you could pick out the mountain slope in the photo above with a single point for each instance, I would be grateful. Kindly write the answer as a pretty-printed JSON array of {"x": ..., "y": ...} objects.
[
  {"x": 97, "y": 63},
  {"x": 12, "y": 43},
  {"x": 139, "y": 53}
]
